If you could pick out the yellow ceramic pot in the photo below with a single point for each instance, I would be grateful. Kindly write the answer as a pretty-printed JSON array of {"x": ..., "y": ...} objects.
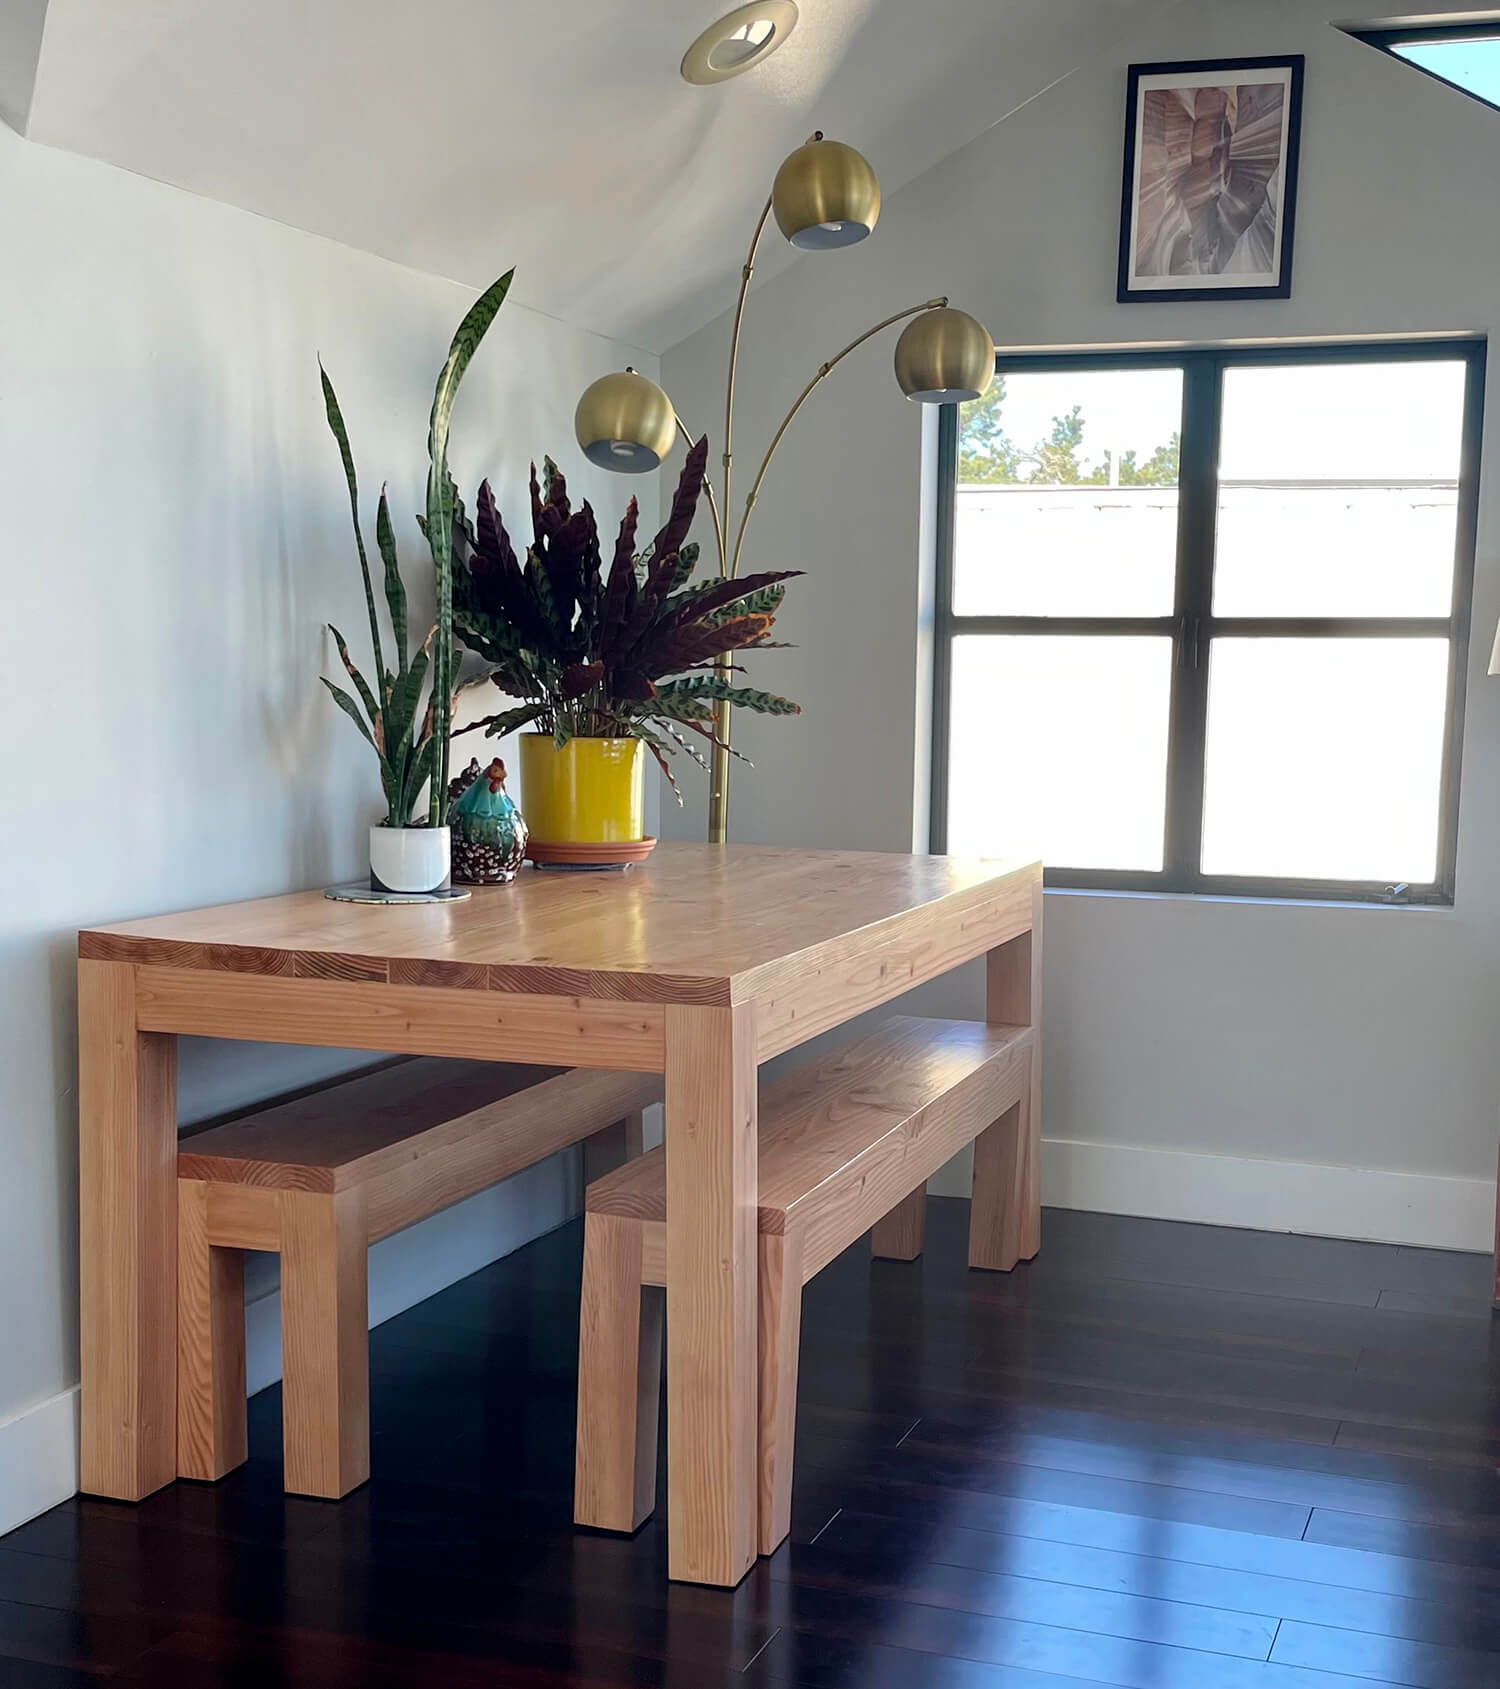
[{"x": 592, "y": 791}]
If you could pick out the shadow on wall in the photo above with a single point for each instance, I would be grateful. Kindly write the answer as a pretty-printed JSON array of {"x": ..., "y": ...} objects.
[{"x": 21, "y": 23}]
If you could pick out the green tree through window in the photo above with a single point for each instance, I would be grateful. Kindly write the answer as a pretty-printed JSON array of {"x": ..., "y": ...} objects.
[
  {"x": 985, "y": 452},
  {"x": 987, "y": 456}
]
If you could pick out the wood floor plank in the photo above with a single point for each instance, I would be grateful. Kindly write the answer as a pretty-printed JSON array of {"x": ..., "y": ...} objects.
[
  {"x": 28, "y": 1674},
  {"x": 1425, "y": 1665},
  {"x": 894, "y": 1390},
  {"x": 989, "y": 1494},
  {"x": 47, "y": 1636},
  {"x": 1311, "y": 1562},
  {"x": 931, "y": 1632},
  {"x": 815, "y": 1662},
  {"x": 1035, "y": 1600},
  {"x": 977, "y": 1458},
  {"x": 1458, "y": 1450},
  {"x": 855, "y": 1544},
  {"x": 1432, "y": 1304},
  {"x": 1473, "y": 1542},
  {"x": 1369, "y": 1480},
  {"x": 1425, "y": 1397}
]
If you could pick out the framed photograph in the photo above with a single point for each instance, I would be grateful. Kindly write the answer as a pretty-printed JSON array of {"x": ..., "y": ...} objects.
[{"x": 1210, "y": 189}]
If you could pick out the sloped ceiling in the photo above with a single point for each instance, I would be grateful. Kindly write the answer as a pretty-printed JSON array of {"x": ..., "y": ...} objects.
[{"x": 460, "y": 136}]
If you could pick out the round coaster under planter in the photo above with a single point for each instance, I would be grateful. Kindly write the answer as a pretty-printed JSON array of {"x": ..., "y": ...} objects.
[
  {"x": 620, "y": 854},
  {"x": 360, "y": 891}
]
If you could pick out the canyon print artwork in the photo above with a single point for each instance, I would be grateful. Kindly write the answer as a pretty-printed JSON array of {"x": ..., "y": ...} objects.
[{"x": 1210, "y": 177}]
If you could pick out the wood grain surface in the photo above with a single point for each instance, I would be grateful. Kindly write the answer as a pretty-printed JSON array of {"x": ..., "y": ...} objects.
[
  {"x": 127, "y": 1145},
  {"x": 710, "y": 1184},
  {"x": 696, "y": 923}
]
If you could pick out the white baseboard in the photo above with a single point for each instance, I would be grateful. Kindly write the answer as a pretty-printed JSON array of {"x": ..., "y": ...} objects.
[
  {"x": 1421, "y": 1209},
  {"x": 38, "y": 1459}
]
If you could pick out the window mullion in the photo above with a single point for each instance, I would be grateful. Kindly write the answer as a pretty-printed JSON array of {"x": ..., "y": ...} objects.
[
  {"x": 942, "y": 643},
  {"x": 1197, "y": 478}
]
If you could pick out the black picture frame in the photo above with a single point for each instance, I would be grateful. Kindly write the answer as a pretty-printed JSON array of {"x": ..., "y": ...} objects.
[{"x": 1129, "y": 289}]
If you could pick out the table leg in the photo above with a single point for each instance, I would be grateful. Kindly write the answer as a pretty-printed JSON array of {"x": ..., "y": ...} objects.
[
  {"x": 1008, "y": 1172},
  {"x": 712, "y": 1327},
  {"x": 127, "y": 1180}
]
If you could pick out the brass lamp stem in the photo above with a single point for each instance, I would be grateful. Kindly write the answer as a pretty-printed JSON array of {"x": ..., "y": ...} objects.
[
  {"x": 718, "y": 771},
  {"x": 746, "y": 272}
]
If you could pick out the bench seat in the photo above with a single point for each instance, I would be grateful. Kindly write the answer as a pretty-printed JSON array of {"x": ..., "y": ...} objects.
[
  {"x": 319, "y": 1178},
  {"x": 845, "y": 1145}
]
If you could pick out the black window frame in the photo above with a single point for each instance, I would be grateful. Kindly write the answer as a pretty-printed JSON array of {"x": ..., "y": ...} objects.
[
  {"x": 1388, "y": 38},
  {"x": 1192, "y": 626}
]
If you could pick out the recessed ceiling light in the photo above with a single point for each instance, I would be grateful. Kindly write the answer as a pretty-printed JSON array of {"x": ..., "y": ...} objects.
[{"x": 739, "y": 41}]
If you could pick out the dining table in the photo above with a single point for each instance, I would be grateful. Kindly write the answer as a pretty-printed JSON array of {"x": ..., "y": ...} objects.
[{"x": 700, "y": 963}]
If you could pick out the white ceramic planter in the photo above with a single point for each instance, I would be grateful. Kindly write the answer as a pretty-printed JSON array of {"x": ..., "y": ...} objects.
[{"x": 410, "y": 859}]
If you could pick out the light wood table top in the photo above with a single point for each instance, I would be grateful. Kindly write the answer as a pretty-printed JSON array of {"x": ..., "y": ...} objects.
[{"x": 693, "y": 924}]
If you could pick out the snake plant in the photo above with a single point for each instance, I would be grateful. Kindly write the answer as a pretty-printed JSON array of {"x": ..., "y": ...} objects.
[
  {"x": 629, "y": 652},
  {"x": 411, "y": 736}
]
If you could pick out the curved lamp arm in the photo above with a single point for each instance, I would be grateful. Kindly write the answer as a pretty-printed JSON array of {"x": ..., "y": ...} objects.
[{"x": 823, "y": 371}]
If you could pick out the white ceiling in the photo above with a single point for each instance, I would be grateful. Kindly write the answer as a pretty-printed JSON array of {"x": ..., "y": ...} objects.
[{"x": 461, "y": 136}]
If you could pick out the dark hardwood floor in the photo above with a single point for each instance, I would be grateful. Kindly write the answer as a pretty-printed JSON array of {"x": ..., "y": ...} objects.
[{"x": 1160, "y": 1457}]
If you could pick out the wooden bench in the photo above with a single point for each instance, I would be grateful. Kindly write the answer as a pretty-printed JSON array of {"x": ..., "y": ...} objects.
[
  {"x": 318, "y": 1180},
  {"x": 845, "y": 1145}
]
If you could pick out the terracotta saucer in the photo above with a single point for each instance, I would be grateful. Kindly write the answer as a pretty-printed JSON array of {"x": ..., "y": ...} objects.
[{"x": 619, "y": 854}]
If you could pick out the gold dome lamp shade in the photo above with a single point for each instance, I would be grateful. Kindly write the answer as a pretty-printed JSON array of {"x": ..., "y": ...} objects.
[
  {"x": 625, "y": 422},
  {"x": 944, "y": 357},
  {"x": 825, "y": 195}
]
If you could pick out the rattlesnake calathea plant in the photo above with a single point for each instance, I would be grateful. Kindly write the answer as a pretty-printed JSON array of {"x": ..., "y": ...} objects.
[
  {"x": 411, "y": 735},
  {"x": 630, "y": 652}
]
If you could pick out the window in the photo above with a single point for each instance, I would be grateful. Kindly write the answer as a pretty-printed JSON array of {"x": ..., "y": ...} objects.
[
  {"x": 1202, "y": 618},
  {"x": 1464, "y": 55}
]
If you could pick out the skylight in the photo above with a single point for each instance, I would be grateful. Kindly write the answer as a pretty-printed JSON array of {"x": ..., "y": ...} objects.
[{"x": 1465, "y": 56}]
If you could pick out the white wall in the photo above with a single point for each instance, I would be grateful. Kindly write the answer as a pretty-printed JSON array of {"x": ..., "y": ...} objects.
[
  {"x": 1177, "y": 1028},
  {"x": 174, "y": 532}
]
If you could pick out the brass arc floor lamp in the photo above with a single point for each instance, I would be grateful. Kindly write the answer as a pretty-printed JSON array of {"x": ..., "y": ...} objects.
[{"x": 825, "y": 195}]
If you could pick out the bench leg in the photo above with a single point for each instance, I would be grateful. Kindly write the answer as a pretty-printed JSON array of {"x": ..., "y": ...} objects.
[
  {"x": 619, "y": 1379},
  {"x": 325, "y": 1384},
  {"x": 612, "y": 1147},
  {"x": 211, "y": 1434},
  {"x": 780, "y": 1272},
  {"x": 898, "y": 1237}
]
